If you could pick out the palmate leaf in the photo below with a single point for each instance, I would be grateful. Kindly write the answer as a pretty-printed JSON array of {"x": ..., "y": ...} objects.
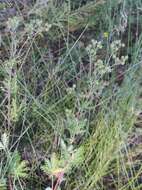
[
  {"x": 68, "y": 159},
  {"x": 71, "y": 157},
  {"x": 18, "y": 168},
  {"x": 53, "y": 166},
  {"x": 47, "y": 168},
  {"x": 21, "y": 170}
]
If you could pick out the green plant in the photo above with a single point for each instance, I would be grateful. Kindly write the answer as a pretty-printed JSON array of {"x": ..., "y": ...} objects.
[
  {"x": 17, "y": 168},
  {"x": 70, "y": 95},
  {"x": 59, "y": 166},
  {"x": 12, "y": 168}
]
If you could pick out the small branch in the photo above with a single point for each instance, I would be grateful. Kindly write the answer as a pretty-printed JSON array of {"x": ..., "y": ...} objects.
[
  {"x": 59, "y": 180},
  {"x": 10, "y": 184}
]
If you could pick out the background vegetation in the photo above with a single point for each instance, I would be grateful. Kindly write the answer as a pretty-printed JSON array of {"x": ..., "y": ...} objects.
[{"x": 70, "y": 96}]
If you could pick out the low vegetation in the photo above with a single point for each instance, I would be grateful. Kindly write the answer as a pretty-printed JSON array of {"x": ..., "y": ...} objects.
[{"x": 70, "y": 96}]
